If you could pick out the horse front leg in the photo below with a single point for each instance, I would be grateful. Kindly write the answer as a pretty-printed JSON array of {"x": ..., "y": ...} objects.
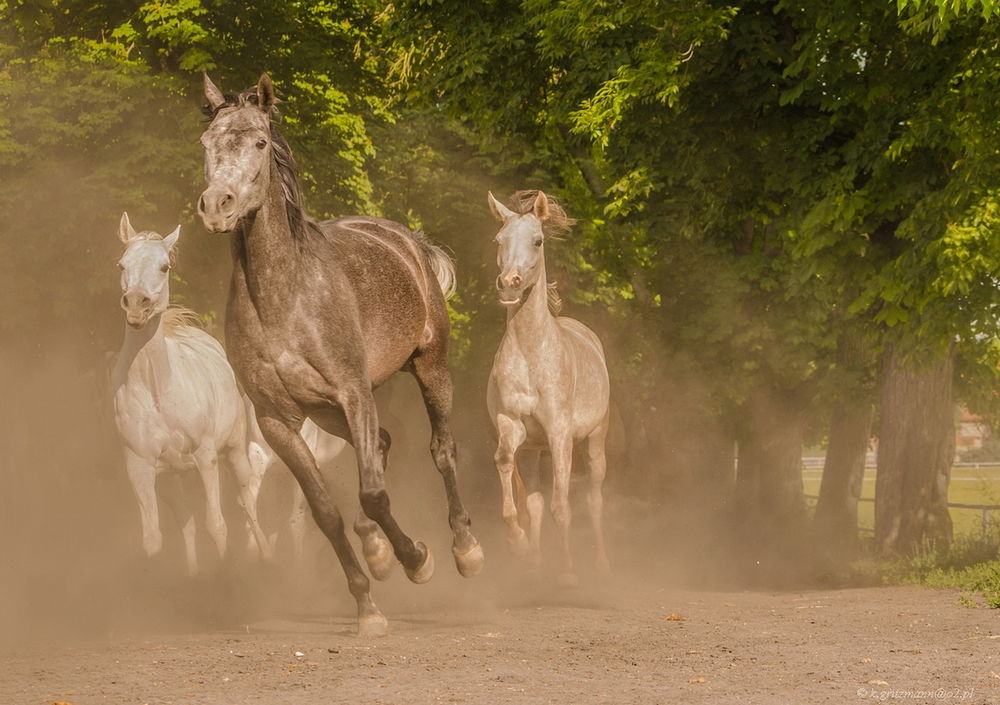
[
  {"x": 561, "y": 445},
  {"x": 362, "y": 419},
  {"x": 293, "y": 451},
  {"x": 511, "y": 434},
  {"x": 206, "y": 459},
  {"x": 431, "y": 372},
  {"x": 142, "y": 478}
]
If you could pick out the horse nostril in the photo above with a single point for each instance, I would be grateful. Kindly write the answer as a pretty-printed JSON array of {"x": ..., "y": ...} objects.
[
  {"x": 125, "y": 302},
  {"x": 499, "y": 282},
  {"x": 145, "y": 301},
  {"x": 227, "y": 203},
  {"x": 515, "y": 280},
  {"x": 201, "y": 204}
]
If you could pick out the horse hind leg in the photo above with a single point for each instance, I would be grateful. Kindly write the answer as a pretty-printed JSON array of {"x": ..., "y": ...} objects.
[
  {"x": 172, "y": 491},
  {"x": 533, "y": 502},
  {"x": 296, "y": 455},
  {"x": 430, "y": 368},
  {"x": 597, "y": 465},
  {"x": 249, "y": 478},
  {"x": 376, "y": 550}
]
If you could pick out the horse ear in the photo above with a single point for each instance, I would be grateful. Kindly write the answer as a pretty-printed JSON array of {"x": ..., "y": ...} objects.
[
  {"x": 171, "y": 240},
  {"x": 265, "y": 93},
  {"x": 212, "y": 93},
  {"x": 500, "y": 211},
  {"x": 125, "y": 230},
  {"x": 541, "y": 206}
]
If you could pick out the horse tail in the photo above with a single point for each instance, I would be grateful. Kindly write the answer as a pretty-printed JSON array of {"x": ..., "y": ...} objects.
[{"x": 441, "y": 264}]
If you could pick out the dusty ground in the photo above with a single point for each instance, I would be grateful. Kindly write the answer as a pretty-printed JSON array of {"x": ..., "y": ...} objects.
[{"x": 592, "y": 645}]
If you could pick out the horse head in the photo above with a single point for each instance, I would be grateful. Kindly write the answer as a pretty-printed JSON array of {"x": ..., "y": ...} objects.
[
  {"x": 238, "y": 152},
  {"x": 145, "y": 272}
]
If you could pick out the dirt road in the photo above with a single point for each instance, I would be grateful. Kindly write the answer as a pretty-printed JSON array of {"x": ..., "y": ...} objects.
[{"x": 589, "y": 646}]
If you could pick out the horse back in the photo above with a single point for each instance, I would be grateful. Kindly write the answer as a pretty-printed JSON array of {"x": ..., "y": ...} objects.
[{"x": 399, "y": 305}]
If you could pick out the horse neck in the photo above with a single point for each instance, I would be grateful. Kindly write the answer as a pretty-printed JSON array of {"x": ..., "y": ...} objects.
[
  {"x": 531, "y": 321},
  {"x": 146, "y": 348},
  {"x": 265, "y": 248}
]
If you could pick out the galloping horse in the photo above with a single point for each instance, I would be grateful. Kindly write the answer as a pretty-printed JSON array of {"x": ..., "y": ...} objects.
[
  {"x": 319, "y": 315},
  {"x": 549, "y": 384},
  {"x": 176, "y": 401}
]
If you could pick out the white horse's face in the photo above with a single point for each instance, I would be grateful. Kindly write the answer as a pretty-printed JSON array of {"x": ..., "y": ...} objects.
[
  {"x": 237, "y": 156},
  {"x": 145, "y": 273},
  {"x": 520, "y": 249}
]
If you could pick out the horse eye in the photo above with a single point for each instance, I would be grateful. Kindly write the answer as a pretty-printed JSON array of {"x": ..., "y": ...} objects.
[
  {"x": 538, "y": 242},
  {"x": 261, "y": 143},
  {"x": 165, "y": 268},
  {"x": 121, "y": 266}
]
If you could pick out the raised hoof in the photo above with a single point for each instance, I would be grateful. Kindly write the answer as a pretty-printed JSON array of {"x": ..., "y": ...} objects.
[
  {"x": 567, "y": 580},
  {"x": 425, "y": 570},
  {"x": 379, "y": 559},
  {"x": 372, "y": 625},
  {"x": 470, "y": 562}
]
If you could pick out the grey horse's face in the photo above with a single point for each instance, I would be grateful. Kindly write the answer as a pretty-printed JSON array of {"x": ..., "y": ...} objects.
[
  {"x": 145, "y": 273},
  {"x": 519, "y": 249},
  {"x": 237, "y": 155}
]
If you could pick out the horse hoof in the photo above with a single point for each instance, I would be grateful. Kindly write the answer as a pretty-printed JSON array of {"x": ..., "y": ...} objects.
[
  {"x": 372, "y": 625},
  {"x": 567, "y": 580},
  {"x": 470, "y": 562},
  {"x": 425, "y": 570},
  {"x": 519, "y": 544},
  {"x": 379, "y": 558}
]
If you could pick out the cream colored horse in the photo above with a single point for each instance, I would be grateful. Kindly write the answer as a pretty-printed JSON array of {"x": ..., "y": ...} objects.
[
  {"x": 176, "y": 403},
  {"x": 549, "y": 384}
]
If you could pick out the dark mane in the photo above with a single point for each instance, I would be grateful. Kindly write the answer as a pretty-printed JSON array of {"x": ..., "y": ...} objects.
[
  {"x": 301, "y": 225},
  {"x": 556, "y": 226}
]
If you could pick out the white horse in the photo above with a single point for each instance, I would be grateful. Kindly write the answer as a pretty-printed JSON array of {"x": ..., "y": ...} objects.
[
  {"x": 175, "y": 400},
  {"x": 549, "y": 384},
  {"x": 324, "y": 447}
]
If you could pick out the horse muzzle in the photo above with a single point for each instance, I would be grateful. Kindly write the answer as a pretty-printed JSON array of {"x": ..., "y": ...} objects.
[
  {"x": 510, "y": 289},
  {"x": 217, "y": 208},
  {"x": 138, "y": 308}
]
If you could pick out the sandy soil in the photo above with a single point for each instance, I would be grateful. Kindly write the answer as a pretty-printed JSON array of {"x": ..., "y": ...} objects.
[{"x": 592, "y": 645}]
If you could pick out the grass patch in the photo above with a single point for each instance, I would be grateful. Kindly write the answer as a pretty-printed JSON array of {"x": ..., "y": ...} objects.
[{"x": 969, "y": 565}]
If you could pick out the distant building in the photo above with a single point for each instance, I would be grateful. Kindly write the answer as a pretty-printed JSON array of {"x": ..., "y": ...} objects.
[{"x": 970, "y": 432}]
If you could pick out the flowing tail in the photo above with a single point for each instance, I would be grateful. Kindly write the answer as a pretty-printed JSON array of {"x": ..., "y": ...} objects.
[{"x": 441, "y": 264}]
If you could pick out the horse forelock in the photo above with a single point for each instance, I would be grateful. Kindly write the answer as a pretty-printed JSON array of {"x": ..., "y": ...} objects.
[
  {"x": 556, "y": 226},
  {"x": 150, "y": 236}
]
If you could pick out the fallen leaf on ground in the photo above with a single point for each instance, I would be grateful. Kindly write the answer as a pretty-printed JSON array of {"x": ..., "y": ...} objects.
[
  {"x": 674, "y": 618},
  {"x": 695, "y": 651},
  {"x": 699, "y": 679},
  {"x": 866, "y": 660},
  {"x": 874, "y": 682}
]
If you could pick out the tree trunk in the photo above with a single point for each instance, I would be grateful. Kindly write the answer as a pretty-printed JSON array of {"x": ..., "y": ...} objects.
[
  {"x": 844, "y": 469},
  {"x": 915, "y": 452},
  {"x": 769, "y": 467}
]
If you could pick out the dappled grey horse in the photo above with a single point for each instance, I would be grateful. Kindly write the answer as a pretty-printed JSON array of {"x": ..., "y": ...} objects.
[
  {"x": 549, "y": 385},
  {"x": 319, "y": 315}
]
